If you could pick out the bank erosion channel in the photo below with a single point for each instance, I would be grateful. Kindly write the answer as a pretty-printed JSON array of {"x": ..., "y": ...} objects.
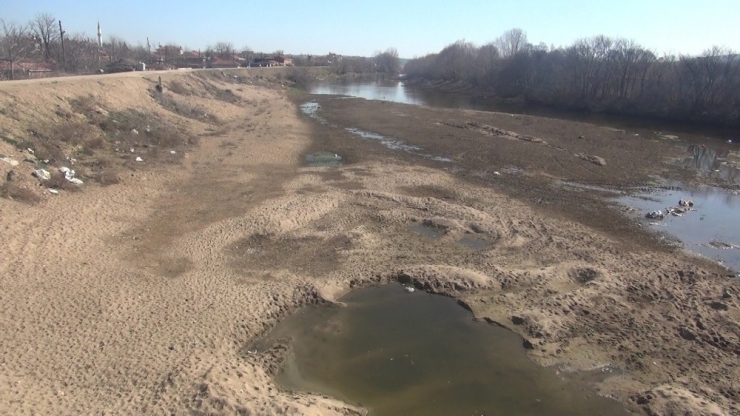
[{"x": 397, "y": 352}]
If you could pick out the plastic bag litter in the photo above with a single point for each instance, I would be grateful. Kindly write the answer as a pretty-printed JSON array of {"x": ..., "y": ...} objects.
[
  {"x": 10, "y": 161},
  {"x": 42, "y": 174},
  {"x": 139, "y": 159},
  {"x": 69, "y": 175}
]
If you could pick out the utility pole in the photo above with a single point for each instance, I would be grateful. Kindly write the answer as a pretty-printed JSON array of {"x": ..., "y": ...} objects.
[
  {"x": 148, "y": 51},
  {"x": 61, "y": 36}
]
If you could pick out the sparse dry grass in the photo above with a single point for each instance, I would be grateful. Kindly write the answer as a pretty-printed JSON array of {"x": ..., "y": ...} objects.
[
  {"x": 15, "y": 192},
  {"x": 184, "y": 108},
  {"x": 178, "y": 87},
  {"x": 106, "y": 176},
  {"x": 58, "y": 181}
]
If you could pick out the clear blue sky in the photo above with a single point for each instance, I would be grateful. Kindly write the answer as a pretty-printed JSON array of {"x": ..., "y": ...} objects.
[{"x": 413, "y": 27}]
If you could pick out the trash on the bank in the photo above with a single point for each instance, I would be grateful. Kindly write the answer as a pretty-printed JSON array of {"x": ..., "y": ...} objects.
[
  {"x": 172, "y": 152},
  {"x": 42, "y": 174},
  {"x": 497, "y": 173},
  {"x": 69, "y": 175},
  {"x": 30, "y": 151},
  {"x": 139, "y": 159},
  {"x": 134, "y": 131},
  {"x": 53, "y": 191},
  {"x": 655, "y": 215},
  {"x": 132, "y": 150},
  {"x": 11, "y": 162},
  {"x": 685, "y": 203},
  {"x": 410, "y": 289}
]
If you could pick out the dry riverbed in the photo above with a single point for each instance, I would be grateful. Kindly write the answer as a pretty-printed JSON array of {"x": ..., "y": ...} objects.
[{"x": 139, "y": 292}]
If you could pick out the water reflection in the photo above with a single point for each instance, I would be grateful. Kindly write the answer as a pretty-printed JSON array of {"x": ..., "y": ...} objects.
[
  {"x": 372, "y": 90},
  {"x": 714, "y": 219},
  {"x": 712, "y": 163}
]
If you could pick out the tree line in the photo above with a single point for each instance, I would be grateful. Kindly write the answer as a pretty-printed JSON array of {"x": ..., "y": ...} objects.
[
  {"x": 43, "y": 39},
  {"x": 597, "y": 74}
]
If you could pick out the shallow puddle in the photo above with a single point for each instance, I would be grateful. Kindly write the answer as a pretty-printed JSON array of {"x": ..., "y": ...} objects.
[
  {"x": 400, "y": 353},
  {"x": 711, "y": 228},
  {"x": 713, "y": 163},
  {"x": 473, "y": 243},
  {"x": 323, "y": 159},
  {"x": 427, "y": 231}
]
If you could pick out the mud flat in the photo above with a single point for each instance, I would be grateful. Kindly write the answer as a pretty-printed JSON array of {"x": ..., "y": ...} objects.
[{"x": 143, "y": 296}]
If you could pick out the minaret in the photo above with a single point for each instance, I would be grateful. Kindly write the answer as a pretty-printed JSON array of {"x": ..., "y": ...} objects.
[{"x": 100, "y": 44}]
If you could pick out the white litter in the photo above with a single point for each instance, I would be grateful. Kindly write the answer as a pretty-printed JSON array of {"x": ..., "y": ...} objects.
[
  {"x": 10, "y": 161},
  {"x": 134, "y": 131},
  {"x": 172, "y": 152},
  {"x": 69, "y": 174},
  {"x": 139, "y": 159},
  {"x": 410, "y": 289},
  {"x": 53, "y": 191},
  {"x": 42, "y": 174}
]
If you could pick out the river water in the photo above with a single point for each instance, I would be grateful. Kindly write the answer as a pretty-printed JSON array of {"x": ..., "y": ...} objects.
[
  {"x": 401, "y": 353},
  {"x": 712, "y": 229}
]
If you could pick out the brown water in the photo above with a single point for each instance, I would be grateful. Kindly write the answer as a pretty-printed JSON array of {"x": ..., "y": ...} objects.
[{"x": 401, "y": 353}]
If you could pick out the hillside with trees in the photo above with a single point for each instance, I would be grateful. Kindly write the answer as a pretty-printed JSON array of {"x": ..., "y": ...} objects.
[{"x": 597, "y": 74}]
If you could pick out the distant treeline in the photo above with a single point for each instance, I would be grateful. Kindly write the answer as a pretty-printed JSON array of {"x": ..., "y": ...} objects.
[
  {"x": 598, "y": 74},
  {"x": 386, "y": 62}
]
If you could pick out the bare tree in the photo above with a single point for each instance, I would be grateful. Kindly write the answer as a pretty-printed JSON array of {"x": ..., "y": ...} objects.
[
  {"x": 224, "y": 50},
  {"x": 116, "y": 48},
  {"x": 81, "y": 53},
  {"x": 14, "y": 43},
  {"x": 486, "y": 63},
  {"x": 247, "y": 53},
  {"x": 387, "y": 62},
  {"x": 43, "y": 27},
  {"x": 511, "y": 42}
]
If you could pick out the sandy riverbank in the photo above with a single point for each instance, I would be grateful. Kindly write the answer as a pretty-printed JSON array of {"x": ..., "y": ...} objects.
[{"x": 141, "y": 297}]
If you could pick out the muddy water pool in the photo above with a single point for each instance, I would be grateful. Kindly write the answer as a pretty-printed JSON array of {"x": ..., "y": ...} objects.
[{"x": 401, "y": 353}]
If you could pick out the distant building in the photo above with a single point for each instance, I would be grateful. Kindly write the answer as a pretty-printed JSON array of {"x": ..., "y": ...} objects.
[
  {"x": 217, "y": 62},
  {"x": 26, "y": 69},
  {"x": 191, "y": 59},
  {"x": 283, "y": 61},
  {"x": 274, "y": 61}
]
